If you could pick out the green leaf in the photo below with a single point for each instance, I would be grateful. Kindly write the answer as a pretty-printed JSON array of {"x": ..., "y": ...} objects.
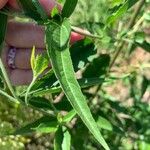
[
  {"x": 67, "y": 118},
  {"x": 69, "y": 8},
  {"x": 103, "y": 123},
  {"x": 61, "y": 35},
  {"x": 139, "y": 37},
  {"x": 54, "y": 11},
  {"x": 43, "y": 88},
  {"x": 120, "y": 11},
  {"x": 116, "y": 2},
  {"x": 145, "y": 45},
  {"x": 62, "y": 65},
  {"x": 40, "y": 123},
  {"x": 32, "y": 60},
  {"x": 38, "y": 63},
  {"x": 143, "y": 145},
  {"x": 40, "y": 9},
  {"x": 98, "y": 67},
  {"x": 39, "y": 102},
  {"x": 86, "y": 52},
  {"x": 62, "y": 139},
  {"x": 30, "y": 10},
  {"x": 144, "y": 86},
  {"x": 47, "y": 127},
  {"x": 3, "y": 25},
  {"x": 58, "y": 139},
  {"x": 66, "y": 144}
]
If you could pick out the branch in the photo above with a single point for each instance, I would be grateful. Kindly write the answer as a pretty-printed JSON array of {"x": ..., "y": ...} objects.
[{"x": 130, "y": 25}]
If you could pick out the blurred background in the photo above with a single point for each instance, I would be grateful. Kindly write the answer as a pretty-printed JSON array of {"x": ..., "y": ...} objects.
[{"x": 123, "y": 102}]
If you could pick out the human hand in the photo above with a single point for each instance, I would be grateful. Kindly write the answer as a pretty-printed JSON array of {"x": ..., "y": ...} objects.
[{"x": 20, "y": 38}]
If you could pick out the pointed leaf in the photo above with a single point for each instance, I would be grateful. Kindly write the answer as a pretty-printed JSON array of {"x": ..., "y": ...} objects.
[
  {"x": 58, "y": 139},
  {"x": 40, "y": 9},
  {"x": 62, "y": 139},
  {"x": 67, "y": 118},
  {"x": 30, "y": 10},
  {"x": 66, "y": 144},
  {"x": 30, "y": 128},
  {"x": 62, "y": 65},
  {"x": 68, "y": 8}
]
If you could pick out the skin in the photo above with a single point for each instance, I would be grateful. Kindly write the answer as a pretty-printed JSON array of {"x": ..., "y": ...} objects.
[{"x": 23, "y": 36}]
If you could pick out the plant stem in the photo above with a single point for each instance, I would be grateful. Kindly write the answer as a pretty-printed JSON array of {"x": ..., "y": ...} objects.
[
  {"x": 12, "y": 99},
  {"x": 28, "y": 90},
  {"x": 84, "y": 32},
  {"x": 130, "y": 25},
  {"x": 7, "y": 79},
  {"x": 136, "y": 13},
  {"x": 122, "y": 43}
]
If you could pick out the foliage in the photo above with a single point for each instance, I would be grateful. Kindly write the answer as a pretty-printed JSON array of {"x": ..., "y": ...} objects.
[{"x": 87, "y": 113}]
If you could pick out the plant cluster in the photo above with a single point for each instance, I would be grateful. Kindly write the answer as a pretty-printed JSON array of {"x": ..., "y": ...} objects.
[{"x": 71, "y": 96}]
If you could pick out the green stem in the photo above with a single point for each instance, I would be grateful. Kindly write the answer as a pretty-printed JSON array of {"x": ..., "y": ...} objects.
[
  {"x": 84, "y": 32},
  {"x": 7, "y": 79},
  {"x": 12, "y": 99},
  {"x": 130, "y": 25},
  {"x": 28, "y": 90}
]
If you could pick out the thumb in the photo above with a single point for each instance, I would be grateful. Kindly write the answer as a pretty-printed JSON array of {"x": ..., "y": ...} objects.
[{"x": 2, "y": 3}]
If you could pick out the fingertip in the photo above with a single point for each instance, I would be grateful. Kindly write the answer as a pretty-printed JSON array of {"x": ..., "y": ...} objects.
[
  {"x": 13, "y": 4},
  {"x": 3, "y": 3},
  {"x": 48, "y": 5},
  {"x": 76, "y": 37}
]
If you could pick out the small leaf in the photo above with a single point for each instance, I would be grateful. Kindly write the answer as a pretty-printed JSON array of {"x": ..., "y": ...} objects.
[
  {"x": 32, "y": 60},
  {"x": 145, "y": 45},
  {"x": 28, "y": 129},
  {"x": 46, "y": 127},
  {"x": 139, "y": 37},
  {"x": 58, "y": 139},
  {"x": 54, "y": 11},
  {"x": 40, "y": 88},
  {"x": 144, "y": 86},
  {"x": 98, "y": 67},
  {"x": 120, "y": 11},
  {"x": 62, "y": 139},
  {"x": 69, "y": 8},
  {"x": 67, "y": 118},
  {"x": 114, "y": 16},
  {"x": 38, "y": 63},
  {"x": 66, "y": 143},
  {"x": 39, "y": 102},
  {"x": 86, "y": 52},
  {"x": 103, "y": 123}
]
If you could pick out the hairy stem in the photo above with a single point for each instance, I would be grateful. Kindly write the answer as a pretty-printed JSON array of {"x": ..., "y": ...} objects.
[{"x": 84, "y": 32}]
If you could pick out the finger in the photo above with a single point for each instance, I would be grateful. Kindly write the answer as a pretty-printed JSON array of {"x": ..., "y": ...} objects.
[
  {"x": 48, "y": 5},
  {"x": 22, "y": 58},
  {"x": 25, "y": 35},
  {"x": 75, "y": 37},
  {"x": 21, "y": 77},
  {"x": 3, "y": 3},
  {"x": 14, "y": 4}
]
